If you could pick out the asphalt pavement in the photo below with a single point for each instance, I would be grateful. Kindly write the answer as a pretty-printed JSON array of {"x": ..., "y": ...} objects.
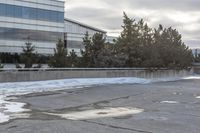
[{"x": 165, "y": 107}]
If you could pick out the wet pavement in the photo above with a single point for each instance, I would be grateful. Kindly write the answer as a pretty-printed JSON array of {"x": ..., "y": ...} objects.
[{"x": 165, "y": 107}]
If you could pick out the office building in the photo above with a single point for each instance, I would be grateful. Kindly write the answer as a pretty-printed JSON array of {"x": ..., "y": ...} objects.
[{"x": 42, "y": 23}]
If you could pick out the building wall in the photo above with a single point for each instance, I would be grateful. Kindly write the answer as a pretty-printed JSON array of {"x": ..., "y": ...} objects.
[
  {"x": 196, "y": 52},
  {"x": 40, "y": 20},
  {"x": 111, "y": 39},
  {"x": 75, "y": 32}
]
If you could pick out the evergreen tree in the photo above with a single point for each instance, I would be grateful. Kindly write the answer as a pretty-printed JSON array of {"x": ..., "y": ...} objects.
[
  {"x": 73, "y": 59},
  {"x": 93, "y": 55},
  {"x": 98, "y": 50},
  {"x": 142, "y": 47},
  {"x": 28, "y": 57},
  {"x": 87, "y": 52},
  {"x": 138, "y": 46},
  {"x": 129, "y": 43},
  {"x": 173, "y": 52},
  {"x": 151, "y": 53},
  {"x": 59, "y": 59},
  {"x": 113, "y": 59}
]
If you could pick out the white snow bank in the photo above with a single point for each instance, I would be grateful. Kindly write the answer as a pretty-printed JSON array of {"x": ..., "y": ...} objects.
[{"x": 39, "y": 86}]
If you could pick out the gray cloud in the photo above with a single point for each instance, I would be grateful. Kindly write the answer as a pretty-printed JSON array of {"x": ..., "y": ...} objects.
[
  {"x": 184, "y": 5},
  {"x": 97, "y": 17},
  {"x": 183, "y": 15}
]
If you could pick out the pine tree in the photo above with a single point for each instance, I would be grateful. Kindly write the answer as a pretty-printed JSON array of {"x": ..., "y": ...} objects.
[
  {"x": 172, "y": 51},
  {"x": 73, "y": 59},
  {"x": 97, "y": 50},
  {"x": 129, "y": 42},
  {"x": 87, "y": 52},
  {"x": 59, "y": 59},
  {"x": 140, "y": 46},
  {"x": 28, "y": 57}
]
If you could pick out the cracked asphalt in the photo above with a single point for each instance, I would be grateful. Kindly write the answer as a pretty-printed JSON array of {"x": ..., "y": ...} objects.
[{"x": 169, "y": 107}]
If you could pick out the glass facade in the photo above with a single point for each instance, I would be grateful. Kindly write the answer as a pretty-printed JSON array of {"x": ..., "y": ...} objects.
[
  {"x": 75, "y": 44},
  {"x": 34, "y": 35},
  {"x": 31, "y": 13}
]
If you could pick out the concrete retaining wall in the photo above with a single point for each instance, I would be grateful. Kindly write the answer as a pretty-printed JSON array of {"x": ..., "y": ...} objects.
[
  {"x": 19, "y": 76},
  {"x": 196, "y": 69}
]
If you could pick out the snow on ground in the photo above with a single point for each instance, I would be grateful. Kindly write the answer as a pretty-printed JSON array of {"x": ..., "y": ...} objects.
[
  {"x": 192, "y": 77},
  {"x": 9, "y": 109},
  {"x": 99, "y": 113},
  {"x": 170, "y": 102}
]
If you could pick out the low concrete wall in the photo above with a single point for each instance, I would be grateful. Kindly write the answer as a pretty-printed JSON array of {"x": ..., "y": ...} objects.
[
  {"x": 19, "y": 76},
  {"x": 196, "y": 69}
]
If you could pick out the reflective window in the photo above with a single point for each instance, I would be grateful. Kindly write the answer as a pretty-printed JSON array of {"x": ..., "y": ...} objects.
[
  {"x": 21, "y": 34},
  {"x": 46, "y": 15},
  {"x": 54, "y": 16},
  {"x": 25, "y": 13},
  {"x": 2, "y": 9},
  {"x": 61, "y": 17},
  {"x": 10, "y": 11},
  {"x": 75, "y": 44},
  {"x": 18, "y": 12},
  {"x": 31, "y": 13}
]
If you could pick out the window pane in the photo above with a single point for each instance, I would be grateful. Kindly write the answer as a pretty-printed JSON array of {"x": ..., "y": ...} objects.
[
  {"x": 25, "y": 12},
  {"x": 21, "y": 34},
  {"x": 46, "y": 14},
  {"x": 10, "y": 10},
  {"x": 60, "y": 17},
  {"x": 31, "y": 13},
  {"x": 18, "y": 11},
  {"x": 40, "y": 14},
  {"x": 54, "y": 16},
  {"x": 2, "y": 9}
]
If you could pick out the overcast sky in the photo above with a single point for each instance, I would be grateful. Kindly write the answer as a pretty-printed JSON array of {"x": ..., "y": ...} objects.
[{"x": 183, "y": 15}]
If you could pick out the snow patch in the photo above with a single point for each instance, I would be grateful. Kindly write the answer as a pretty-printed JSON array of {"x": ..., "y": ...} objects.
[
  {"x": 170, "y": 102},
  {"x": 9, "y": 109},
  {"x": 192, "y": 77},
  {"x": 4, "y": 118},
  {"x": 40, "y": 86},
  {"x": 198, "y": 97},
  {"x": 14, "y": 107},
  {"x": 99, "y": 113}
]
